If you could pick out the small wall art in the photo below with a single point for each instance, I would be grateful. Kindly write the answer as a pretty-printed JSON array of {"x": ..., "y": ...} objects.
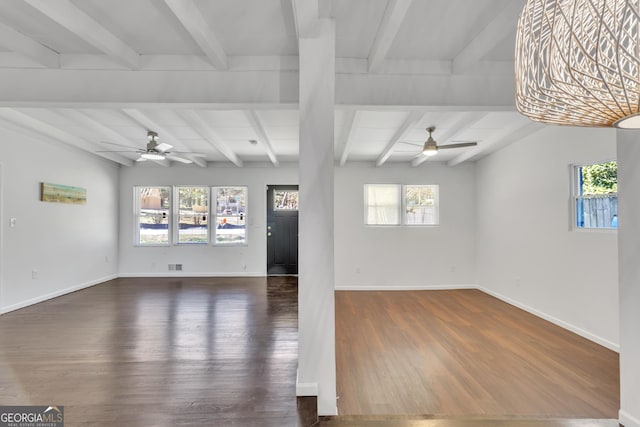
[{"x": 62, "y": 193}]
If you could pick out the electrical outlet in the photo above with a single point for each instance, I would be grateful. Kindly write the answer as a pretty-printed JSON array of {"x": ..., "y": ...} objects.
[
  {"x": 106, "y": 259},
  {"x": 12, "y": 222},
  {"x": 34, "y": 274}
]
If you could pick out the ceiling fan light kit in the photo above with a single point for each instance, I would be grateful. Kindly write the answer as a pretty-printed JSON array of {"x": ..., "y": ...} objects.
[
  {"x": 155, "y": 151},
  {"x": 431, "y": 147},
  {"x": 152, "y": 156},
  {"x": 577, "y": 62}
]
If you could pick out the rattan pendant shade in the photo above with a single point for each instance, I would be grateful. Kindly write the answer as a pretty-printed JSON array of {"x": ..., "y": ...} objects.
[{"x": 578, "y": 62}]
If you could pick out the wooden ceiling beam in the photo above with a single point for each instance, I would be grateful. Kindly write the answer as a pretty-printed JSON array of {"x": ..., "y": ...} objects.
[{"x": 82, "y": 25}]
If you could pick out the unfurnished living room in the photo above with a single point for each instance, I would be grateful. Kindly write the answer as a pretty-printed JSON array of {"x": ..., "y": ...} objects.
[{"x": 319, "y": 212}]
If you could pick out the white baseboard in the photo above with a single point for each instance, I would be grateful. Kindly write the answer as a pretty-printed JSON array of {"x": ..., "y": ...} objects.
[
  {"x": 585, "y": 334},
  {"x": 628, "y": 420},
  {"x": 403, "y": 287},
  {"x": 179, "y": 274},
  {"x": 305, "y": 389},
  {"x": 56, "y": 294}
]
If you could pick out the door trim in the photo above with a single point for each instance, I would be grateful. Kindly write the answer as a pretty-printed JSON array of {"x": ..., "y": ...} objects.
[{"x": 269, "y": 205}]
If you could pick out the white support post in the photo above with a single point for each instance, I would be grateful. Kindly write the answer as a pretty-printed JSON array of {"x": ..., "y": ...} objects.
[
  {"x": 316, "y": 361},
  {"x": 628, "y": 145}
]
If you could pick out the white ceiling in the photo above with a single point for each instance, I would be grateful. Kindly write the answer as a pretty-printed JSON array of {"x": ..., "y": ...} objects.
[{"x": 211, "y": 75}]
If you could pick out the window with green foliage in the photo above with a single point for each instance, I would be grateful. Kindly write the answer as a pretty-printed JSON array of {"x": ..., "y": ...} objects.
[
  {"x": 595, "y": 193},
  {"x": 193, "y": 215},
  {"x": 152, "y": 208}
]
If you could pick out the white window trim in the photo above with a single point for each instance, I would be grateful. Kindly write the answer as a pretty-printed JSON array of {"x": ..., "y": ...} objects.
[
  {"x": 136, "y": 217},
  {"x": 574, "y": 189},
  {"x": 401, "y": 206},
  {"x": 404, "y": 205},
  {"x": 214, "y": 214},
  {"x": 175, "y": 216},
  {"x": 365, "y": 215}
]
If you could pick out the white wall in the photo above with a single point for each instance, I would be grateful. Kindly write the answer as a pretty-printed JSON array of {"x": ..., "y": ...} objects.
[
  {"x": 199, "y": 260},
  {"x": 527, "y": 252},
  {"x": 70, "y": 246},
  {"x": 372, "y": 249},
  {"x": 395, "y": 257},
  {"x": 629, "y": 270}
]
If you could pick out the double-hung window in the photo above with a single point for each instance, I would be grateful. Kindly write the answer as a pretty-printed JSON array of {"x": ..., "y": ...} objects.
[
  {"x": 595, "y": 195},
  {"x": 180, "y": 215},
  {"x": 421, "y": 204},
  {"x": 382, "y": 203},
  {"x": 231, "y": 215},
  {"x": 193, "y": 215},
  {"x": 395, "y": 204},
  {"x": 152, "y": 213}
]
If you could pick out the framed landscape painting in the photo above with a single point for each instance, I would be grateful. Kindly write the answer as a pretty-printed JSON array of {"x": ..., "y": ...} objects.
[{"x": 62, "y": 193}]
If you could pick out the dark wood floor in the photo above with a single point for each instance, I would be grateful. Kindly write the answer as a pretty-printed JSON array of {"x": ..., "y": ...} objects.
[
  {"x": 158, "y": 352},
  {"x": 465, "y": 353},
  {"x": 219, "y": 352}
]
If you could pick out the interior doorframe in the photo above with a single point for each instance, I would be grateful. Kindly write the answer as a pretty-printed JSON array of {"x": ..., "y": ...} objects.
[{"x": 266, "y": 220}]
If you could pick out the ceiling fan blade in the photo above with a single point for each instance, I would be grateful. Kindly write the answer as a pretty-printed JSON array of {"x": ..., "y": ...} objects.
[
  {"x": 119, "y": 151},
  {"x": 188, "y": 153},
  {"x": 119, "y": 145},
  {"x": 461, "y": 145},
  {"x": 411, "y": 143},
  {"x": 178, "y": 158},
  {"x": 163, "y": 146}
]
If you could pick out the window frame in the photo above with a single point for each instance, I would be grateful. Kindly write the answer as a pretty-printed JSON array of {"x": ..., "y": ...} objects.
[
  {"x": 367, "y": 205},
  {"x": 214, "y": 214},
  {"x": 575, "y": 196},
  {"x": 176, "y": 215},
  {"x": 401, "y": 205},
  {"x": 136, "y": 216},
  {"x": 436, "y": 190}
]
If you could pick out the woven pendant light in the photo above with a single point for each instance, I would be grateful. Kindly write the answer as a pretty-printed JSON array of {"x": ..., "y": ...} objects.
[{"x": 578, "y": 62}]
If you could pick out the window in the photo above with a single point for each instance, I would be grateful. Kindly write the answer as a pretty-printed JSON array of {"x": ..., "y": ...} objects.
[
  {"x": 193, "y": 214},
  {"x": 382, "y": 203},
  {"x": 421, "y": 204},
  {"x": 152, "y": 215},
  {"x": 231, "y": 215},
  {"x": 285, "y": 200},
  {"x": 385, "y": 202},
  {"x": 595, "y": 194}
]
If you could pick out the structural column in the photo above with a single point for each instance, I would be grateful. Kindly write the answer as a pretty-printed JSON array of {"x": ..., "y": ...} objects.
[
  {"x": 628, "y": 145},
  {"x": 316, "y": 362}
]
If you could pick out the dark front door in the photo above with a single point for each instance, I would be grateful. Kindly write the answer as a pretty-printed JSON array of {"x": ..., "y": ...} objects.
[{"x": 282, "y": 229}]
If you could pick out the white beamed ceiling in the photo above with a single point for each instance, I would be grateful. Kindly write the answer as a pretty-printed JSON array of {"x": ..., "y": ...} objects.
[{"x": 210, "y": 76}]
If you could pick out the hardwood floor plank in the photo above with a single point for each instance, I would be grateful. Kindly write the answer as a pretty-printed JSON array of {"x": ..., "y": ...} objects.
[
  {"x": 161, "y": 352},
  {"x": 465, "y": 353}
]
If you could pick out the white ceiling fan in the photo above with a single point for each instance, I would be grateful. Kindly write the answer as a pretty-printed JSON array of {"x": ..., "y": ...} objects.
[
  {"x": 155, "y": 150},
  {"x": 431, "y": 147}
]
